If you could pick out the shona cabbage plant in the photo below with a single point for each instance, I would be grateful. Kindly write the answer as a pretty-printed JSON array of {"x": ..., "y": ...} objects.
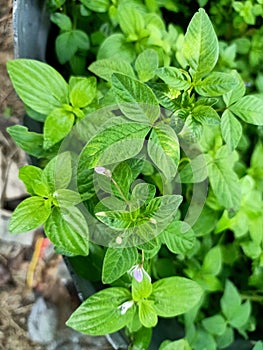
[{"x": 144, "y": 177}]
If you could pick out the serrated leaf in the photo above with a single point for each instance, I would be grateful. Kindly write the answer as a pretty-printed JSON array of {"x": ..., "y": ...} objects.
[
  {"x": 215, "y": 324},
  {"x": 29, "y": 214},
  {"x": 57, "y": 126},
  {"x": 173, "y": 296},
  {"x": 179, "y": 237},
  {"x": 82, "y": 91},
  {"x": 30, "y": 174},
  {"x": 173, "y": 77},
  {"x": 101, "y": 313},
  {"x": 135, "y": 99},
  {"x": 147, "y": 313},
  {"x": 206, "y": 115},
  {"x": 216, "y": 84},
  {"x": 117, "y": 262},
  {"x": 67, "y": 229},
  {"x": 146, "y": 64},
  {"x": 164, "y": 149},
  {"x": 231, "y": 129},
  {"x": 224, "y": 181},
  {"x": 58, "y": 171},
  {"x": 249, "y": 109},
  {"x": 114, "y": 144},
  {"x": 200, "y": 46},
  {"x": 38, "y": 85},
  {"x": 104, "y": 68}
]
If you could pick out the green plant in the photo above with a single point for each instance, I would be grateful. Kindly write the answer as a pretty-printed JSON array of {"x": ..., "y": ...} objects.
[{"x": 145, "y": 176}]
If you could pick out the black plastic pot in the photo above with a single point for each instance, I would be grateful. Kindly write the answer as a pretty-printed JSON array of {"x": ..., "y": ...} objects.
[{"x": 31, "y": 30}]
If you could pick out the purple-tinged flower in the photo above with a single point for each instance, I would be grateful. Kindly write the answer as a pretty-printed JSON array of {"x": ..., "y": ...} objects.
[
  {"x": 138, "y": 272},
  {"x": 102, "y": 171},
  {"x": 125, "y": 306}
]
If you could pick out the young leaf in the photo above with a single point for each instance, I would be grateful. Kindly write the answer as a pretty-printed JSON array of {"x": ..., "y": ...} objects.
[
  {"x": 164, "y": 149},
  {"x": 82, "y": 91},
  {"x": 38, "y": 85},
  {"x": 29, "y": 214},
  {"x": 231, "y": 129},
  {"x": 62, "y": 21},
  {"x": 142, "y": 193},
  {"x": 57, "y": 126},
  {"x": 179, "y": 237},
  {"x": 181, "y": 344},
  {"x": 216, "y": 84},
  {"x": 142, "y": 339},
  {"x": 143, "y": 289},
  {"x": 30, "y": 174},
  {"x": 114, "y": 144},
  {"x": 67, "y": 229},
  {"x": 102, "y": 313},
  {"x": 146, "y": 64},
  {"x": 200, "y": 47},
  {"x": 104, "y": 68},
  {"x": 163, "y": 208},
  {"x": 96, "y": 5},
  {"x": 135, "y": 99},
  {"x": 147, "y": 313},
  {"x": 131, "y": 22},
  {"x": 66, "y": 198},
  {"x": 231, "y": 300},
  {"x": 173, "y": 296},
  {"x": 224, "y": 181},
  {"x": 57, "y": 173},
  {"x": 205, "y": 115},
  {"x": 238, "y": 92},
  {"x": 212, "y": 263},
  {"x": 249, "y": 109},
  {"x": 173, "y": 77},
  {"x": 117, "y": 262}
]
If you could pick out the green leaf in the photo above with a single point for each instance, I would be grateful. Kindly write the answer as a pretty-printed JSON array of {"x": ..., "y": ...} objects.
[
  {"x": 38, "y": 85},
  {"x": 175, "y": 295},
  {"x": 29, "y": 214},
  {"x": 104, "y": 68},
  {"x": 141, "y": 290},
  {"x": 96, "y": 5},
  {"x": 181, "y": 344},
  {"x": 30, "y": 175},
  {"x": 67, "y": 229},
  {"x": 101, "y": 313},
  {"x": 135, "y": 99},
  {"x": 142, "y": 193},
  {"x": 231, "y": 129},
  {"x": 215, "y": 324},
  {"x": 230, "y": 301},
  {"x": 117, "y": 262},
  {"x": 241, "y": 316},
  {"x": 249, "y": 109},
  {"x": 164, "y": 149},
  {"x": 194, "y": 171},
  {"x": 68, "y": 43},
  {"x": 212, "y": 263},
  {"x": 147, "y": 313},
  {"x": 226, "y": 338},
  {"x": 163, "y": 208},
  {"x": 66, "y": 198},
  {"x": 61, "y": 20},
  {"x": 146, "y": 64},
  {"x": 30, "y": 142},
  {"x": 57, "y": 173},
  {"x": 142, "y": 339},
  {"x": 114, "y": 144},
  {"x": 131, "y": 22},
  {"x": 173, "y": 77},
  {"x": 258, "y": 346},
  {"x": 57, "y": 126},
  {"x": 205, "y": 115},
  {"x": 216, "y": 84},
  {"x": 224, "y": 181},
  {"x": 82, "y": 91},
  {"x": 200, "y": 47},
  {"x": 116, "y": 46},
  {"x": 238, "y": 92},
  {"x": 179, "y": 237}
]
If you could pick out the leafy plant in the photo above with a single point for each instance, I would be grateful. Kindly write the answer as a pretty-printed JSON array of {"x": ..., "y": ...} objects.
[{"x": 148, "y": 175}]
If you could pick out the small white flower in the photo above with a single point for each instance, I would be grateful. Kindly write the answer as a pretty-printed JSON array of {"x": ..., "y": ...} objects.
[
  {"x": 138, "y": 272},
  {"x": 102, "y": 171},
  {"x": 125, "y": 306},
  {"x": 119, "y": 240}
]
